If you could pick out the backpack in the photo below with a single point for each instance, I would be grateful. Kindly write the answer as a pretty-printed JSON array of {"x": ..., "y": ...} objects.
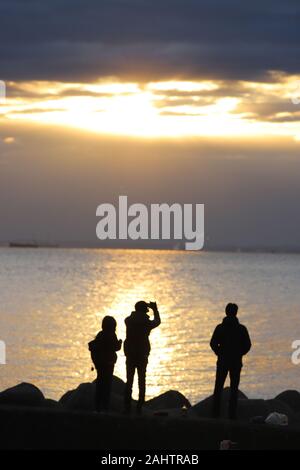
[{"x": 95, "y": 351}]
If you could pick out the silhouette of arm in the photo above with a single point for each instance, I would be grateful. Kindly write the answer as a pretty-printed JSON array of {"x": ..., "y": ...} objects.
[
  {"x": 215, "y": 341},
  {"x": 117, "y": 343},
  {"x": 246, "y": 342},
  {"x": 156, "y": 321}
]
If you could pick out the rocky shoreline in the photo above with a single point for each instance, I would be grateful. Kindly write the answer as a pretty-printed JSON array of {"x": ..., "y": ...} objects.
[{"x": 31, "y": 421}]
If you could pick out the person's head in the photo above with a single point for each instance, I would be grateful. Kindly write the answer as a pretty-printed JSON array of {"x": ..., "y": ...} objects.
[
  {"x": 109, "y": 324},
  {"x": 231, "y": 310},
  {"x": 141, "y": 306}
]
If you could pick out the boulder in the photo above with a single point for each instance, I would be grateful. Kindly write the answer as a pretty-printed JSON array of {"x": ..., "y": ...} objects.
[
  {"x": 291, "y": 398},
  {"x": 24, "y": 394},
  {"x": 282, "y": 408},
  {"x": 297, "y": 419},
  {"x": 252, "y": 408},
  {"x": 168, "y": 400},
  {"x": 52, "y": 404},
  {"x": 118, "y": 386},
  {"x": 204, "y": 407},
  {"x": 247, "y": 408},
  {"x": 83, "y": 397}
]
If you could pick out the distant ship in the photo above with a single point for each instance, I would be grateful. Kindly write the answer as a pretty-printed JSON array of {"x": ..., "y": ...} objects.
[
  {"x": 23, "y": 245},
  {"x": 32, "y": 244},
  {"x": 179, "y": 245}
]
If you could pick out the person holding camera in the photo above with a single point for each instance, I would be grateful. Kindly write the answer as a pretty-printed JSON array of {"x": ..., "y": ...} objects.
[{"x": 137, "y": 349}]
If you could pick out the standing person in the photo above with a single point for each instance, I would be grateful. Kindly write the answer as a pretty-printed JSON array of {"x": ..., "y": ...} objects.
[
  {"x": 137, "y": 349},
  {"x": 230, "y": 342},
  {"x": 103, "y": 351}
]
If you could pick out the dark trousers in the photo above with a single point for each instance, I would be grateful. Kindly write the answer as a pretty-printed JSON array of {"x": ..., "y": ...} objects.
[
  {"x": 103, "y": 386},
  {"x": 234, "y": 371},
  {"x": 133, "y": 364}
]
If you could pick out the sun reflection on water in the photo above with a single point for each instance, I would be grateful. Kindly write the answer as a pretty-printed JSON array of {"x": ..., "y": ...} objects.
[{"x": 53, "y": 302}]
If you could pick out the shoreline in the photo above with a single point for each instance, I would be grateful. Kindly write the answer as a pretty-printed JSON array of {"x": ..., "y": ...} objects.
[
  {"x": 169, "y": 421},
  {"x": 42, "y": 429}
]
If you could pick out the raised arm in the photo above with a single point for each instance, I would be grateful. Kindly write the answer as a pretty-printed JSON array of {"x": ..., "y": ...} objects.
[{"x": 156, "y": 321}]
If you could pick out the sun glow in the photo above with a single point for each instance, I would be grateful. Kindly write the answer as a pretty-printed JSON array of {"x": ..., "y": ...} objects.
[{"x": 156, "y": 109}]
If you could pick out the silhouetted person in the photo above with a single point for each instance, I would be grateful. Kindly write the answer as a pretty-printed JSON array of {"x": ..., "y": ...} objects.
[
  {"x": 137, "y": 349},
  {"x": 103, "y": 351},
  {"x": 230, "y": 342}
]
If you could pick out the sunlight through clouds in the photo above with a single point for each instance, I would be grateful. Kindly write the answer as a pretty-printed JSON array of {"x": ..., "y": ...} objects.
[{"x": 160, "y": 109}]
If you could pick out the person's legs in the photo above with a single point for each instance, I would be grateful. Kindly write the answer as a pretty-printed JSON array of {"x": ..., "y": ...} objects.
[
  {"x": 130, "y": 370},
  {"x": 141, "y": 369},
  {"x": 98, "y": 394},
  {"x": 221, "y": 374},
  {"x": 234, "y": 373},
  {"x": 107, "y": 376}
]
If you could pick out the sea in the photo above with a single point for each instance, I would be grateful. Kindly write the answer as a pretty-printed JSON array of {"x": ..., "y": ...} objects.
[{"x": 52, "y": 301}]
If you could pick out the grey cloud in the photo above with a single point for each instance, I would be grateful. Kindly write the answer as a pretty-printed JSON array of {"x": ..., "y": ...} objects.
[
  {"x": 146, "y": 39},
  {"x": 265, "y": 110}
]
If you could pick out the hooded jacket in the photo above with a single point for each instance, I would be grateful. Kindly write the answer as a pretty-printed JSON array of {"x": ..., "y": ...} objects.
[
  {"x": 138, "y": 328},
  {"x": 230, "y": 341},
  {"x": 103, "y": 348}
]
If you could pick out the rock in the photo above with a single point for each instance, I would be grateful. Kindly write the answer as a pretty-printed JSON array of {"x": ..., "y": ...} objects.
[
  {"x": 118, "y": 386},
  {"x": 297, "y": 419},
  {"x": 168, "y": 400},
  {"x": 203, "y": 408},
  {"x": 291, "y": 398},
  {"x": 248, "y": 409},
  {"x": 280, "y": 407},
  {"x": 277, "y": 419},
  {"x": 42, "y": 429},
  {"x": 52, "y": 404},
  {"x": 257, "y": 420},
  {"x": 83, "y": 397},
  {"x": 22, "y": 394}
]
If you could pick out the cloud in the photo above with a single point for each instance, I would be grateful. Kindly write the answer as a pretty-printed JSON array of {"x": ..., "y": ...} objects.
[
  {"x": 147, "y": 39},
  {"x": 175, "y": 102},
  {"x": 233, "y": 106}
]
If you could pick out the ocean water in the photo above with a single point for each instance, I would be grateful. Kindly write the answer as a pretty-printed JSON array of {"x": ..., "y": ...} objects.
[{"x": 52, "y": 302}]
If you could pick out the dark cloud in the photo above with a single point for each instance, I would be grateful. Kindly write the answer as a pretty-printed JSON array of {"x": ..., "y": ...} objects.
[
  {"x": 95, "y": 94},
  {"x": 291, "y": 118},
  {"x": 148, "y": 39},
  {"x": 268, "y": 108},
  {"x": 18, "y": 90}
]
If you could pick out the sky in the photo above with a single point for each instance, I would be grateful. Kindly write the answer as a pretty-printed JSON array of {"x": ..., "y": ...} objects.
[{"x": 165, "y": 101}]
